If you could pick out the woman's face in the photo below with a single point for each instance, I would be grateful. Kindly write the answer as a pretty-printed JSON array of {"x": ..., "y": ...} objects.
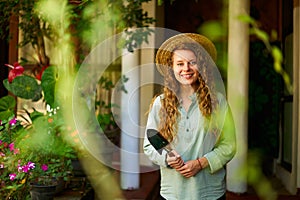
[{"x": 185, "y": 66}]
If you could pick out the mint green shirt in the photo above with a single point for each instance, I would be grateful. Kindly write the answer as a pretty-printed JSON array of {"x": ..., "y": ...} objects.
[{"x": 195, "y": 139}]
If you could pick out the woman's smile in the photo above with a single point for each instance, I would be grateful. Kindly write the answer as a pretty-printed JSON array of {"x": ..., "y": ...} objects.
[{"x": 187, "y": 76}]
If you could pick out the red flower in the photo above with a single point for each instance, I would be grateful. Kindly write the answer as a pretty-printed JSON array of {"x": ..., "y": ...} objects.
[
  {"x": 40, "y": 74},
  {"x": 16, "y": 70}
]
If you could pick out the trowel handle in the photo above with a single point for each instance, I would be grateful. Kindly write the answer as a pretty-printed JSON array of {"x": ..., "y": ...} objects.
[{"x": 169, "y": 152}]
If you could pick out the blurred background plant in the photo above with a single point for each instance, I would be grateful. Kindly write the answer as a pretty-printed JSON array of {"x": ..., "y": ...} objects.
[
  {"x": 104, "y": 108},
  {"x": 9, "y": 127},
  {"x": 91, "y": 22},
  {"x": 40, "y": 151},
  {"x": 87, "y": 22},
  {"x": 32, "y": 150},
  {"x": 61, "y": 34}
]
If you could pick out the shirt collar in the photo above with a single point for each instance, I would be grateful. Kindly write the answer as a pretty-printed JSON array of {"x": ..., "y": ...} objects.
[{"x": 193, "y": 98}]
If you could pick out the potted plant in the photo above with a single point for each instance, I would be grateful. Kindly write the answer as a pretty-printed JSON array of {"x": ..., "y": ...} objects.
[
  {"x": 43, "y": 143},
  {"x": 33, "y": 156},
  {"x": 44, "y": 151},
  {"x": 9, "y": 127}
]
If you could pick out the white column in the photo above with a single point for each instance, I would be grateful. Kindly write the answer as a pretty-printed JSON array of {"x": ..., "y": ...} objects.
[
  {"x": 238, "y": 64},
  {"x": 147, "y": 73},
  {"x": 130, "y": 122}
]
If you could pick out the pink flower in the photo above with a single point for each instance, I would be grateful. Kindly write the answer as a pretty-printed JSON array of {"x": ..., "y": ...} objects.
[
  {"x": 25, "y": 168},
  {"x": 44, "y": 167},
  {"x": 12, "y": 177},
  {"x": 31, "y": 165},
  {"x": 11, "y": 147},
  {"x": 13, "y": 121},
  {"x": 20, "y": 168}
]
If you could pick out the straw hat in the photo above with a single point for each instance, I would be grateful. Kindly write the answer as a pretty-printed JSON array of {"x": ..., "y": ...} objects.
[{"x": 164, "y": 52}]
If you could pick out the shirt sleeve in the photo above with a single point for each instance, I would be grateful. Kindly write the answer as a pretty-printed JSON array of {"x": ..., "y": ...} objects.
[
  {"x": 153, "y": 122},
  {"x": 225, "y": 148}
]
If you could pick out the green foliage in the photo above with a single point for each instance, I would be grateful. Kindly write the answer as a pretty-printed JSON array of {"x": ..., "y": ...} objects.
[
  {"x": 25, "y": 87},
  {"x": 91, "y": 21},
  {"x": 28, "y": 87},
  {"x": 46, "y": 135},
  {"x": 213, "y": 29},
  {"x": 264, "y": 101},
  {"x": 9, "y": 129},
  {"x": 272, "y": 49},
  {"x": 257, "y": 179},
  {"x": 48, "y": 83},
  {"x": 96, "y": 20},
  {"x": 105, "y": 116},
  {"x": 7, "y": 107},
  {"x": 34, "y": 28},
  {"x": 160, "y": 2},
  {"x": 42, "y": 145},
  {"x": 43, "y": 139}
]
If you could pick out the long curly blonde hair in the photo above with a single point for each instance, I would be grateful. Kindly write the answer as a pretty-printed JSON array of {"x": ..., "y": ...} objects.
[{"x": 169, "y": 112}]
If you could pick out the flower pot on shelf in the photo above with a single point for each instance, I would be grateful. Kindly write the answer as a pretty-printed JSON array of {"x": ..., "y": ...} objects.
[
  {"x": 60, "y": 185},
  {"x": 78, "y": 170},
  {"x": 46, "y": 187},
  {"x": 42, "y": 192}
]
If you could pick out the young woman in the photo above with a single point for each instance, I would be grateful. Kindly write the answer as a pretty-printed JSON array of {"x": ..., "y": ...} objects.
[{"x": 193, "y": 116}]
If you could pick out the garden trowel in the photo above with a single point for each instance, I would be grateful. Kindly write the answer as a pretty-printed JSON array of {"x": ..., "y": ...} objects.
[{"x": 158, "y": 141}]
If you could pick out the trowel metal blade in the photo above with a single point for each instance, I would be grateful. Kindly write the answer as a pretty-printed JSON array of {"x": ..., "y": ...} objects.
[{"x": 156, "y": 140}]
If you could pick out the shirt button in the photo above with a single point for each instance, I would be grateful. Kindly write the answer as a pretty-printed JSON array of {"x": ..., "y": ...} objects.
[
  {"x": 187, "y": 117},
  {"x": 187, "y": 130}
]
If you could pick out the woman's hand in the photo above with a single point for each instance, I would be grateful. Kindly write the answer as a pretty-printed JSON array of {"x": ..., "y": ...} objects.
[
  {"x": 192, "y": 167},
  {"x": 174, "y": 160}
]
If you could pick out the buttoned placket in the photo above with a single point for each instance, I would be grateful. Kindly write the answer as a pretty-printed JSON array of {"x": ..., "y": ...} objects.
[{"x": 186, "y": 116}]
